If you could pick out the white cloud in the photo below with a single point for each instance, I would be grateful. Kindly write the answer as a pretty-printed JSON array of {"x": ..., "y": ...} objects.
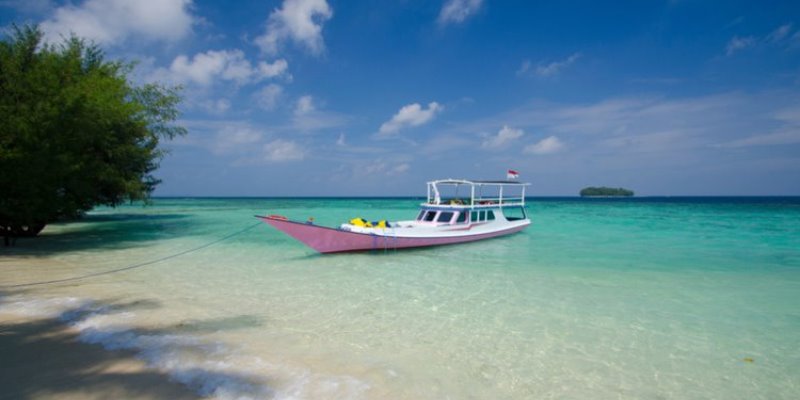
[
  {"x": 241, "y": 142},
  {"x": 629, "y": 116},
  {"x": 777, "y": 38},
  {"x": 277, "y": 68},
  {"x": 503, "y": 137},
  {"x": 305, "y": 105},
  {"x": 219, "y": 106},
  {"x": 280, "y": 150},
  {"x": 788, "y": 115},
  {"x": 645, "y": 126},
  {"x": 374, "y": 168},
  {"x": 548, "y": 145},
  {"x": 399, "y": 169},
  {"x": 229, "y": 65},
  {"x": 341, "y": 140},
  {"x": 779, "y": 33},
  {"x": 457, "y": 11},
  {"x": 318, "y": 121},
  {"x": 410, "y": 115},
  {"x": 232, "y": 139},
  {"x": 309, "y": 118},
  {"x": 112, "y": 22},
  {"x": 739, "y": 43},
  {"x": 787, "y": 131},
  {"x": 222, "y": 105},
  {"x": 299, "y": 21},
  {"x": 768, "y": 139},
  {"x": 549, "y": 69},
  {"x": 524, "y": 68},
  {"x": 381, "y": 168},
  {"x": 267, "y": 98}
]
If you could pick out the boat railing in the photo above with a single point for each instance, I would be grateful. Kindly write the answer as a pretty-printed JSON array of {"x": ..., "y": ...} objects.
[
  {"x": 478, "y": 202},
  {"x": 475, "y": 196},
  {"x": 503, "y": 201}
]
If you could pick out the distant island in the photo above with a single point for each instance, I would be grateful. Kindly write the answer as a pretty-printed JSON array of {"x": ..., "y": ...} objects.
[{"x": 605, "y": 192}]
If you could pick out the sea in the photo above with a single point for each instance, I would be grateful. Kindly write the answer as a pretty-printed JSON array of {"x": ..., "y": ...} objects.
[{"x": 635, "y": 298}]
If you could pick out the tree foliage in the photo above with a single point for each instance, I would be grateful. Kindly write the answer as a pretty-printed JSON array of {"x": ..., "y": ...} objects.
[
  {"x": 75, "y": 132},
  {"x": 606, "y": 191}
]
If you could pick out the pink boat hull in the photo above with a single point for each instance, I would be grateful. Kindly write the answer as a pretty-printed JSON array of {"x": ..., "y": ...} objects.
[{"x": 331, "y": 240}]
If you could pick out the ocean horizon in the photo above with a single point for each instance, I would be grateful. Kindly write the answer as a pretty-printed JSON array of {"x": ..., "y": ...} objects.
[
  {"x": 643, "y": 297},
  {"x": 554, "y": 197}
]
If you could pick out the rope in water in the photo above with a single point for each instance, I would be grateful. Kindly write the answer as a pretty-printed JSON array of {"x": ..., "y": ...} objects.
[{"x": 139, "y": 265}]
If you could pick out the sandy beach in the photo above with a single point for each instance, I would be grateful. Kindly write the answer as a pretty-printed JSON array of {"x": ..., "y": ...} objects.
[{"x": 43, "y": 359}]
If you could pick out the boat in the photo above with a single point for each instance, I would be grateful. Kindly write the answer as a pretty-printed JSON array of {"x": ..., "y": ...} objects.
[{"x": 441, "y": 220}]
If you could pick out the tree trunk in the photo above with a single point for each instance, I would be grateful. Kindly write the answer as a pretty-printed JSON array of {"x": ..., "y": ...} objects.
[
  {"x": 7, "y": 234},
  {"x": 12, "y": 232},
  {"x": 30, "y": 230}
]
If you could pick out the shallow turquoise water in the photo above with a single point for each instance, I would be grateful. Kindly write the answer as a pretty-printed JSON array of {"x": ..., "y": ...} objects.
[{"x": 604, "y": 298}]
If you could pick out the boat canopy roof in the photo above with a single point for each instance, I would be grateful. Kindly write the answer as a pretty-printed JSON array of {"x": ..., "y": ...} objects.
[
  {"x": 476, "y": 198},
  {"x": 473, "y": 182}
]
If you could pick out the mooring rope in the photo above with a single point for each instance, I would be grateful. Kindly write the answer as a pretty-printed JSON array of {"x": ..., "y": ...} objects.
[{"x": 139, "y": 265}]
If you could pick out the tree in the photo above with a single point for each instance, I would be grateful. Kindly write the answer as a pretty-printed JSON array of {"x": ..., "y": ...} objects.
[
  {"x": 75, "y": 132},
  {"x": 605, "y": 192}
]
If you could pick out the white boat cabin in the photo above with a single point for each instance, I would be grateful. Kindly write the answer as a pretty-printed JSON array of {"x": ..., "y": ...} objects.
[{"x": 459, "y": 201}]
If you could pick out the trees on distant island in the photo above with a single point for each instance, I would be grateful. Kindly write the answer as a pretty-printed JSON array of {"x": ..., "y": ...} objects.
[
  {"x": 75, "y": 132},
  {"x": 605, "y": 191}
]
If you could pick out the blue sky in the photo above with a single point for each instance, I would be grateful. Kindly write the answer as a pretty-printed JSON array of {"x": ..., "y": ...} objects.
[{"x": 327, "y": 97}]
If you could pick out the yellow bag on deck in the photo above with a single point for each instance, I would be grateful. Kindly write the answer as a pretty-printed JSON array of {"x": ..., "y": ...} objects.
[{"x": 361, "y": 222}]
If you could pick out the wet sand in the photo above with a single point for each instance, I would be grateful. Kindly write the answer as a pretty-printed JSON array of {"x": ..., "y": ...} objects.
[{"x": 43, "y": 359}]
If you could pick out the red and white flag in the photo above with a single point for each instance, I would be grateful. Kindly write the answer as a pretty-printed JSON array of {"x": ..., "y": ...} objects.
[{"x": 512, "y": 174}]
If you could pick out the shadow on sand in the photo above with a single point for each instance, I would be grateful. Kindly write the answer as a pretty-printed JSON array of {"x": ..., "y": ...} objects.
[
  {"x": 48, "y": 358},
  {"x": 100, "y": 232}
]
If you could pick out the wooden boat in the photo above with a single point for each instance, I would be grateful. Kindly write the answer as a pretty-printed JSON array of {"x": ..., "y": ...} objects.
[{"x": 440, "y": 220}]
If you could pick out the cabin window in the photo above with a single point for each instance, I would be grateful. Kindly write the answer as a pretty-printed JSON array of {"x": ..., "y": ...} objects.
[
  {"x": 430, "y": 216},
  {"x": 482, "y": 216},
  {"x": 462, "y": 217},
  {"x": 445, "y": 216},
  {"x": 474, "y": 216},
  {"x": 490, "y": 215},
  {"x": 421, "y": 214}
]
